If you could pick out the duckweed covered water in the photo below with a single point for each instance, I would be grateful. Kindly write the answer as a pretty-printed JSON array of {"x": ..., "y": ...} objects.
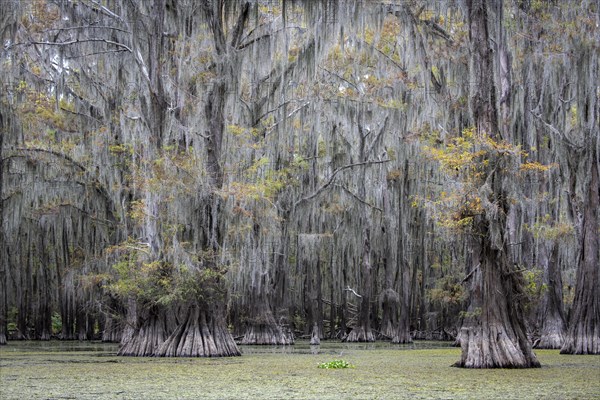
[{"x": 72, "y": 370}]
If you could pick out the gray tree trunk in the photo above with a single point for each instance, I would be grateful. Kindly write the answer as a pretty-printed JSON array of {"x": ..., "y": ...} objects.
[
  {"x": 494, "y": 334},
  {"x": 583, "y": 336},
  {"x": 552, "y": 319},
  {"x": 3, "y": 255}
]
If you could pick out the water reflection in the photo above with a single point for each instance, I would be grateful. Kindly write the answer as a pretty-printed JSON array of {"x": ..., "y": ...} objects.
[
  {"x": 61, "y": 346},
  {"x": 326, "y": 347},
  {"x": 300, "y": 347}
]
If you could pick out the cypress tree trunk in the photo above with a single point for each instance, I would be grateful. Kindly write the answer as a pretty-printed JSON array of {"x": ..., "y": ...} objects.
[
  {"x": 389, "y": 296},
  {"x": 314, "y": 299},
  {"x": 150, "y": 332},
  {"x": 129, "y": 326},
  {"x": 262, "y": 327},
  {"x": 583, "y": 336},
  {"x": 43, "y": 312},
  {"x": 494, "y": 334},
  {"x": 404, "y": 276},
  {"x": 362, "y": 331},
  {"x": 389, "y": 304},
  {"x": 552, "y": 319},
  {"x": 3, "y": 290},
  {"x": 311, "y": 250},
  {"x": 24, "y": 290},
  {"x": 202, "y": 333},
  {"x": 402, "y": 334},
  {"x": 111, "y": 330},
  {"x": 281, "y": 281},
  {"x": 3, "y": 255}
]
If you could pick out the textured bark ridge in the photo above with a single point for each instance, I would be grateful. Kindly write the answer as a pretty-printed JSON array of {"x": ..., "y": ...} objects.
[
  {"x": 553, "y": 333},
  {"x": 149, "y": 335},
  {"x": 200, "y": 334}
]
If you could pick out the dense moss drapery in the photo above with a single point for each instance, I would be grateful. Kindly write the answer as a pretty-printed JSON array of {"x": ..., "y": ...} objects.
[{"x": 177, "y": 174}]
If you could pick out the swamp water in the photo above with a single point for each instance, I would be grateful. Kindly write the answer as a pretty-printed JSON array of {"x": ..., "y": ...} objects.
[{"x": 91, "y": 370}]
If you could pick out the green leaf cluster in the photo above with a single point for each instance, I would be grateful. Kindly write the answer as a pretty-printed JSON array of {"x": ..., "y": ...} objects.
[{"x": 448, "y": 291}]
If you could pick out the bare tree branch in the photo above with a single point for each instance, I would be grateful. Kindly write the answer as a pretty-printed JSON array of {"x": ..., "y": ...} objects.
[
  {"x": 379, "y": 135},
  {"x": 357, "y": 198},
  {"x": 332, "y": 177},
  {"x": 340, "y": 77},
  {"x": 91, "y": 26},
  {"x": 54, "y": 153},
  {"x": 72, "y": 42},
  {"x": 270, "y": 128},
  {"x": 349, "y": 289},
  {"x": 97, "y": 6},
  {"x": 556, "y": 133}
]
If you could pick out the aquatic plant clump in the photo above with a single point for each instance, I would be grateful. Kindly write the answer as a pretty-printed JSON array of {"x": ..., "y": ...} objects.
[{"x": 336, "y": 364}]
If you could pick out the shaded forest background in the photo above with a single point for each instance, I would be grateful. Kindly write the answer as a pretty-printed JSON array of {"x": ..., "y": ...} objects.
[{"x": 178, "y": 173}]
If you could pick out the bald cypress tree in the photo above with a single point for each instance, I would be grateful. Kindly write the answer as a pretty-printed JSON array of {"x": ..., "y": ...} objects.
[{"x": 494, "y": 334}]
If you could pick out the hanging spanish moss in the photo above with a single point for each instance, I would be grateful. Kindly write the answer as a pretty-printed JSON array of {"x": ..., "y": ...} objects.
[{"x": 175, "y": 175}]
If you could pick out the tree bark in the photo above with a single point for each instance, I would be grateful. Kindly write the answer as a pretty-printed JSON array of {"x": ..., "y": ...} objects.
[{"x": 281, "y": 283}]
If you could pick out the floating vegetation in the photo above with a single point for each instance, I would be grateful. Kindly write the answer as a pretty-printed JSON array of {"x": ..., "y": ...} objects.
[
  {"x": 336, "y": 364},
  {"x": 31, "y": 371}
]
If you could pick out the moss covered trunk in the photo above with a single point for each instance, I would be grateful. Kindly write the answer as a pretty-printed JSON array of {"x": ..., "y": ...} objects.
[
  {"x": 552, "y": 319},
  {"x": 3, "y": 255},
  {"x": 583, "y": 336},
  {"x": 493, "y": 335},
  {"x": 362, "y": 332},
  {"x": 261, "y": 327}
]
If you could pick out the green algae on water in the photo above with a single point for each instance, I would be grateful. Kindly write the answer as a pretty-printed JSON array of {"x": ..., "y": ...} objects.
[{"x": 55, "y": 370}]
